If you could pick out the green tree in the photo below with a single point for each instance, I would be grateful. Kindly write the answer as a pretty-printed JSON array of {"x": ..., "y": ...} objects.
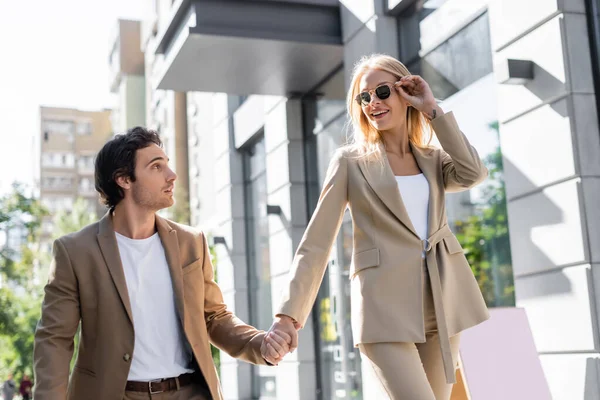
[
  {"x": 216, "y": 353},
  {"x": 485, "y": 237},
  {"x": 181, "y": 210},
  {"x": 69, "y": 221},
  {"x": 20, "y": 292}
]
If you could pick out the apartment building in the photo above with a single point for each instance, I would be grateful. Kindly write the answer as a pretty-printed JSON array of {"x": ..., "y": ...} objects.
[{"x": 67, "y": 144}]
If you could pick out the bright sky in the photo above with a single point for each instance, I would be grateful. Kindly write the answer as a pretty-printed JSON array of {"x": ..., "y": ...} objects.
[{"x": 54, "y": 53}]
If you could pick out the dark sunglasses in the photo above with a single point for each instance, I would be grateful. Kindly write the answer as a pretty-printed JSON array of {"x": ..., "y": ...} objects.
[{"x": 382, "y": 92}]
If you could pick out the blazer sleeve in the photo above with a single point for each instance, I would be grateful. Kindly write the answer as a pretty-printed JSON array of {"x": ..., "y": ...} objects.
[
  {"x": 462, "y": 168},
  {"x": 225, "y": 330},
  {"x": 310, "y": 261},
  {"x": 53, "y": 341}
]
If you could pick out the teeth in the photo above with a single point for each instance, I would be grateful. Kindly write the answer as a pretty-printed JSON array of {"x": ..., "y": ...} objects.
[{"x": 379, "y": 113}]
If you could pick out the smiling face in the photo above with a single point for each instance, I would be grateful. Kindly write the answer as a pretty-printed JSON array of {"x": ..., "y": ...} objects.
[
  {"x": 387, "y": 114},
  {"x": 154, "y": 180}
]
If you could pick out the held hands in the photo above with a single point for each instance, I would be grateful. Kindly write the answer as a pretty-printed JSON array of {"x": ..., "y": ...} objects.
[
  {"x": 281, "y": 339},
  {"x": 418, "y": 94}
]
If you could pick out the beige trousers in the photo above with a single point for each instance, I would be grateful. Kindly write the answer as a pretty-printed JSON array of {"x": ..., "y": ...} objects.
[
  {"x": 413, "y": 371},
  {"x": 190, "y": 392}
]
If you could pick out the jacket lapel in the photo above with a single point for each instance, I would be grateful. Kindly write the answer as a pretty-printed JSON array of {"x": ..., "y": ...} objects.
[
  {"x": 430, "y": 170},
  {"x": 383, "y": 182},
  {"x": 168, "y": 237},
  {"x": 110, "y": 251}
]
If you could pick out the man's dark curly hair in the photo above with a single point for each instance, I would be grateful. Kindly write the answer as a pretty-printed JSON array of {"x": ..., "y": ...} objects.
[{"x": 117, "y": 158}]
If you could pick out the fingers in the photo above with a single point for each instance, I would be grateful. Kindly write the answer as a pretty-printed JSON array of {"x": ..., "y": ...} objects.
[
  {"x": 273, "y": 354},
  {"x": 284, "y": 336},
  {"x": 408, "y": 86},
  {"x": 278, "y": 344},
  {"x": 265, "y": 352},
  {"x": 294, "y": 342},
  {"x": 269, "y": 353}
]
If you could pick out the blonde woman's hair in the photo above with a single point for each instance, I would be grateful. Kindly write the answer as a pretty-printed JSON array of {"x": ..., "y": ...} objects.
[{"x": 364, "y": 137}]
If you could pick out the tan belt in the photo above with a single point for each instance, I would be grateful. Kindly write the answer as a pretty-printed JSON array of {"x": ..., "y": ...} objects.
[{"x": 430, "y": 254}]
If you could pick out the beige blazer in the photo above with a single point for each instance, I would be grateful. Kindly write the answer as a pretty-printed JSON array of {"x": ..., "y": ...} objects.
[
  {"x": 87, "y": 284},
  {"x": 385, "y": 275}
]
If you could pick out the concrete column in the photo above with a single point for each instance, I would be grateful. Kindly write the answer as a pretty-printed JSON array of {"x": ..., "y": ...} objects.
[
  {"x": 365, "y": 30},
  {"x": 286, "y": 187},
  {"x": 182, "y": 188},
  {"x": 551, "y": 147}
]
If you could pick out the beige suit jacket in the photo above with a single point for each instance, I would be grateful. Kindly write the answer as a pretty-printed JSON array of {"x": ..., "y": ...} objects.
[
  {"x": 385, "y": 277},
  {"x": 87, "y": 284}
]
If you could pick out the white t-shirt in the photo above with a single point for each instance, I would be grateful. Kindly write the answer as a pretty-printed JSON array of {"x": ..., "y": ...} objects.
[
  {"x": 414, "y": 190},
  {"x": 160, "y": 350}
]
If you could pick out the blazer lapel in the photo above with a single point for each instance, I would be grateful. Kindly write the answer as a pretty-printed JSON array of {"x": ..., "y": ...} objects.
[
  {"x": 430, "y": 170},
  {"x": 110, "y": 251},
  {"x": 382, "y": 180},
  {"x": 168, "y": 237}
]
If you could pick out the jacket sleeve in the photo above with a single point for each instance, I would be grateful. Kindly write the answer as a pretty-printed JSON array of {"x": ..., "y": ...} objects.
[
  {"x": 310, "y": 261},
  {"x": 53, "y": 342},
  {"x": 462, "y": 168},
  {"x": 225, "y": 330}
]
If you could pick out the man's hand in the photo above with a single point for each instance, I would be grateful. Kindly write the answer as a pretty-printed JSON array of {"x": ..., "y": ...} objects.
[
  {"x": 275, "y": 346},
  {"x": 283, "y": 328}
]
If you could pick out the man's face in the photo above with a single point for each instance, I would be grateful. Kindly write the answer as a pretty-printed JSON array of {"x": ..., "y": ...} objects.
[{"x": 155, "y": 181}]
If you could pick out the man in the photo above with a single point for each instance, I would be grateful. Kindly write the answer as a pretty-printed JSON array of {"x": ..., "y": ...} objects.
[
  {"x": 9, "y": 388},
  {"x": 142, "y": 288}
]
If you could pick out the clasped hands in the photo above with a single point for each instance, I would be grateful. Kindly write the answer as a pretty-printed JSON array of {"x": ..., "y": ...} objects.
[{"x": 280, "y": 340}]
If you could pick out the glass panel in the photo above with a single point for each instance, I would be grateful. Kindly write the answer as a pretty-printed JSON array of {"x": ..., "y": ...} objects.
[
  {"x": 479, "y": 216},
  {"x": 259, "y": 271},
  {"x": 459, "y": 61}
]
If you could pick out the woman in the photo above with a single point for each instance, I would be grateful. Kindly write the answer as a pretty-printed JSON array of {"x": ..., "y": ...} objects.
[{"x": 412, "y": 291}]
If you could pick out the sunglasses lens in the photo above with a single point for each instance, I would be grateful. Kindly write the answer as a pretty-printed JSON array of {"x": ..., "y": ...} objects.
[
  {"x": 383, "y": 92},
  {"x": 364, "y": 98}
]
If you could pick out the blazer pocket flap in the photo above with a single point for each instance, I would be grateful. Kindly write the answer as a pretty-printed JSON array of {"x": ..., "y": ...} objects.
[
  {"x": 192, "y": 266},
  {"x": 85, "y": 371},
  {"x": 452, "y": 245},
  {"x": 364, "y": 259}
]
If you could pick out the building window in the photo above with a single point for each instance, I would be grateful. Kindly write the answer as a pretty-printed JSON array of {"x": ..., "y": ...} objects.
[
  {"x": 259, "y": 267},
  {"x": 59, "y": 127},
  {"x": 86, "y": 163},
  {"x": 57, "y": 183},
  {"x": 84, "y": 128},
  {"x": 593, "y": 19},
  {"x": 58, "y": 160}
]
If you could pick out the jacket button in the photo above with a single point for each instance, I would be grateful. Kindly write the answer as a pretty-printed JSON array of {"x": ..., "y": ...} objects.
[{"x": 126, "y": 357}]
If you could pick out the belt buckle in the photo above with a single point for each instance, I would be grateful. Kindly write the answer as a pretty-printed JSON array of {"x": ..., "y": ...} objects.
[{"x": 150, "y": 386}]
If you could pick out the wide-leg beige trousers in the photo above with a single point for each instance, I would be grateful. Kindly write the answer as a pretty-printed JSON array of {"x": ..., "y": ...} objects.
[{"x": 413, "y": 371}]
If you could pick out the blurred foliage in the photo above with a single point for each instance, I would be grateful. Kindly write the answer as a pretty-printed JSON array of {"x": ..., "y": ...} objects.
[
  {"x": 485, "y": 237},
  {"x": 20, "y": 291},
  {"x": 216, "y": 353},
  {"x": 180, "y": 212}
]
